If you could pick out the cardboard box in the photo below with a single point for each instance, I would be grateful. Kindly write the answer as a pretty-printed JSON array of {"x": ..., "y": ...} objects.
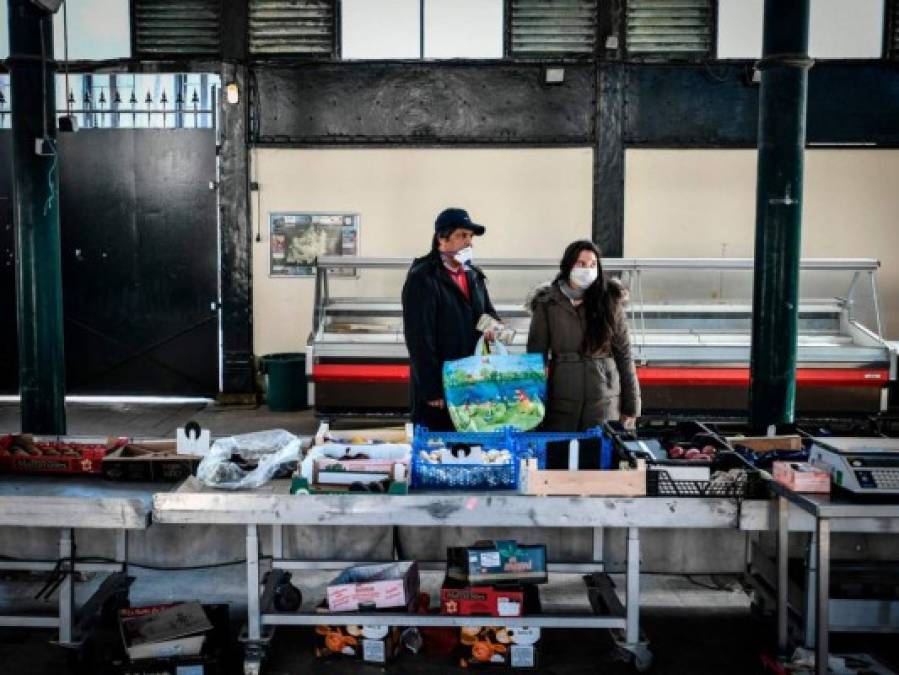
[
  {"x": 600, "y": 483},
  {"x": 383, "y": 586},
  {"x": 149, "y": 461},
  {"x": 802, "y": 477},
  {"x": 334, "y": 467},
  {"x": 25, "y": 453},
  {"x": 481, "y": 600},
  {"x": 326, "y": 434},
  {"x": 164, "y": 631},
  {"x": 212, "y": 661},
  {"x": 766, "y": 443},
  {"x": 373, "y": 644},
  {"x": 502, "y": 561},
  {"x": 486, "y": 646}
]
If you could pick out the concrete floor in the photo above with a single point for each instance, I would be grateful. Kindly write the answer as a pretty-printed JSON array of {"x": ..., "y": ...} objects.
[{"x": 696, "y": 626}]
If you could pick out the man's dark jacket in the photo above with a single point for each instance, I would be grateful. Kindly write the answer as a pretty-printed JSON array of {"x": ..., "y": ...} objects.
[{"x": 439, "y": 323}]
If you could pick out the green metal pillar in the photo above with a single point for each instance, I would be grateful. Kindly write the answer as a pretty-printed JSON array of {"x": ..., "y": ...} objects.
[
  {"x": 36, "y": 191},
  {"x": 778, "y": 219}
]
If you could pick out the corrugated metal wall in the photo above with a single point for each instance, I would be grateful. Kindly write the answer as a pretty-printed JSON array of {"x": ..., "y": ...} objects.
[
  {"x": 666, "y": 28},
  {"x": 176, "y": 27},
  {"x": 292, "y": 27},
  {"x": 892, "y": 40},
  {"x": 553, "y": 27}
]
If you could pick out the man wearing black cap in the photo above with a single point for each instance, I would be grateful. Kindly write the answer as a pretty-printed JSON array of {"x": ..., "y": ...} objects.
[{"x": 444, "y": 299}]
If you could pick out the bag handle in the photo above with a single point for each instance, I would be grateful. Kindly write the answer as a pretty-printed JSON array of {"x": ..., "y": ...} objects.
[{"x": 495, "y": 347}]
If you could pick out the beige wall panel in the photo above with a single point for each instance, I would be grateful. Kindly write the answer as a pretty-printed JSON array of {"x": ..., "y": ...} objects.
[
  {"x": 532, "y": 201},
  {"x": 686, "y": 203}
]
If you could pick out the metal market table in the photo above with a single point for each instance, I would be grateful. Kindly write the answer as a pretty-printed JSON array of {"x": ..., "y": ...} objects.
[
  {"x": 273, "y": 505},
  {"x": 67, "y": 503},
  {"x": 830, "y": 513}
]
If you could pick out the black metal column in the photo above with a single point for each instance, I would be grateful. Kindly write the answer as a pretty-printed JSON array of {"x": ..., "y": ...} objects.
[
  {"x": 608, "y": 162},
  {"x": 608, "y": 148},
  {"x": 781, "y": 146},
  {"x": 36, "y": 217},
  {"x": 237, "y": 311}
]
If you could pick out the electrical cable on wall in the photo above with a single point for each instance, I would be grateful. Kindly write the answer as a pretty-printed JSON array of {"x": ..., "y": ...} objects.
[
  {"x": 254, "y": 183},
  {"x": 65, "y": 51},
  {"x": 45, "y": 135}
]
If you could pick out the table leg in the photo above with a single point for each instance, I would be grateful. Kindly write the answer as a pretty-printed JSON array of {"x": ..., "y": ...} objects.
[
  {"x": 277, "y": 542},
  {"x": 822, "y": 618},
  {"x": 254, "y": 618},
  {"x": 599, "y": 549},
  {"x": 811, "y": 590},
  {"x": 632, "y": 609},
  {"x": 783, "y": 559},
  {"x": 121, "y": 555},
  {"x": 67, "y": 587}
]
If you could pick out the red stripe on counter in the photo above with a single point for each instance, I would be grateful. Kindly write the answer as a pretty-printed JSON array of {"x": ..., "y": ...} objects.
[
  {"x": 354, "y": 372},
  {"x": 649, "y": 376},
  {"x": 739, "y": 377}
]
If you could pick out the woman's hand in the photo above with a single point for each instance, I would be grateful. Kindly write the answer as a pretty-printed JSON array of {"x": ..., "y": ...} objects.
[
  {"x": 628, "y": 422},
  {"x": 438, "y": 403}
]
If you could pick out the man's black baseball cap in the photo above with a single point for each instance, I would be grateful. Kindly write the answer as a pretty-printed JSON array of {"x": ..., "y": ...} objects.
[{"x": 453, "y": 218}]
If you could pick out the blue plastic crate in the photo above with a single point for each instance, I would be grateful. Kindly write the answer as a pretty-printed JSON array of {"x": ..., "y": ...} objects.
[
  {"x": 533, "y": 444},
  {"x": 427, "y": 476}
]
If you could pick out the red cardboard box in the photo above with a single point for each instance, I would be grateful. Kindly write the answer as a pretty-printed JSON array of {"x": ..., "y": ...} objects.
[
  {"x": 481, "y": 600},
  {"x": 24, "y": 453}
]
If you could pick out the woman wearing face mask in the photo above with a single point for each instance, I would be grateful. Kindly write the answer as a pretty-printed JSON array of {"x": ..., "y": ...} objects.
[{"x": 578, "y": 323}]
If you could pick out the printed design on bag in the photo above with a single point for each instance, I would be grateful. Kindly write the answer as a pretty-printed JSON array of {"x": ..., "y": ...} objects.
[{"x": 485, "y": 393}]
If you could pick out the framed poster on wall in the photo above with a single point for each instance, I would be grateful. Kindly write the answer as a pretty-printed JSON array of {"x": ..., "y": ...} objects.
[{"x": 297, "y": 239}]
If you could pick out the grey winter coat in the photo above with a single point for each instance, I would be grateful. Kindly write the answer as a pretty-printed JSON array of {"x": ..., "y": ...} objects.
[{"x": 584, "y": 390}]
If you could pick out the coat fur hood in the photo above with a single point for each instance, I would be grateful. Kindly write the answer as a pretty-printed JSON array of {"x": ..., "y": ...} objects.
[{"x": 549, "y": 291}]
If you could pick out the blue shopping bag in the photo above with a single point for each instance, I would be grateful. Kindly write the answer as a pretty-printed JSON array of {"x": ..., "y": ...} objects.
[{"x": 492, "y": 390}]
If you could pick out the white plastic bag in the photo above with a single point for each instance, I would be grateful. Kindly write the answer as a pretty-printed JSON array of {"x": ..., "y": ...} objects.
[{"x": 271, "y": 449}]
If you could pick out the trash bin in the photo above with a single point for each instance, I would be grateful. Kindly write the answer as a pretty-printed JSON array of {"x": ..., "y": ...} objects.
[{"x": 285, "y": 381}]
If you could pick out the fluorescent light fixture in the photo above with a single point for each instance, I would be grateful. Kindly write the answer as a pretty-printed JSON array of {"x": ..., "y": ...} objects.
[
  {"x": 232, "y": 93},
  {"x": 554, "y": 75},
  {"x": 153, "y": 400}
]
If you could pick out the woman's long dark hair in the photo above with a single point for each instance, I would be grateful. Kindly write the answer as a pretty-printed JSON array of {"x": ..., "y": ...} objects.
[{"x": 599, "y": 307}]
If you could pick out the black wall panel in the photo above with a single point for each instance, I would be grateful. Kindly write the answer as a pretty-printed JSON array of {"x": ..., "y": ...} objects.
[
  {"x": 422, "y": 103},
  {"x": 854, "y": 103},
  {"x": 692, "y": 106},
  {"x": 140, "y": 252},
  {"x": 716, "y": 106},
  {"x": 9, "y": 349},
  {"x": 140, "y": 262}
]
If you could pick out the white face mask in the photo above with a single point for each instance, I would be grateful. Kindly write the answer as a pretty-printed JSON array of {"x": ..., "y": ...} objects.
[
  {"x": 581, "y": 277},
  {"x": 465, "y": 256}
]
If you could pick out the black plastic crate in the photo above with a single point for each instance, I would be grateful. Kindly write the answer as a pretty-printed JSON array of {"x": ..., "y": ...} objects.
[
  {"x": 751, "y": 485},
  {"x": 659, "y": 482}
]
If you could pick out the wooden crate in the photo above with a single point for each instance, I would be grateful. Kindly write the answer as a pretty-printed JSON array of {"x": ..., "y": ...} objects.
[
  {"x": 766, "y": 443},
  {"x": 625, "y": 483}
]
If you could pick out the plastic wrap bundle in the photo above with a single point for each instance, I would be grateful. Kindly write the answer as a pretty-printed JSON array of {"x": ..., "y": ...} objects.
[{"x": 248, "y": 460}]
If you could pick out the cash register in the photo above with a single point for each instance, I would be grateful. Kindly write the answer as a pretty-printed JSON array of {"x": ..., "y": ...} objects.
[{"x": 863, "y": 466}]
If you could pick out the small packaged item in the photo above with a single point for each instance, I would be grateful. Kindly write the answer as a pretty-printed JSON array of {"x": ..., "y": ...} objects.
[
  {"x": 802, "y": 477},
  {"x": 460, "y": 600},
  {"x": 503, "y": 561},
  {"x": 373, "y": 644},
  {"x": 514, "y": 647}
]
